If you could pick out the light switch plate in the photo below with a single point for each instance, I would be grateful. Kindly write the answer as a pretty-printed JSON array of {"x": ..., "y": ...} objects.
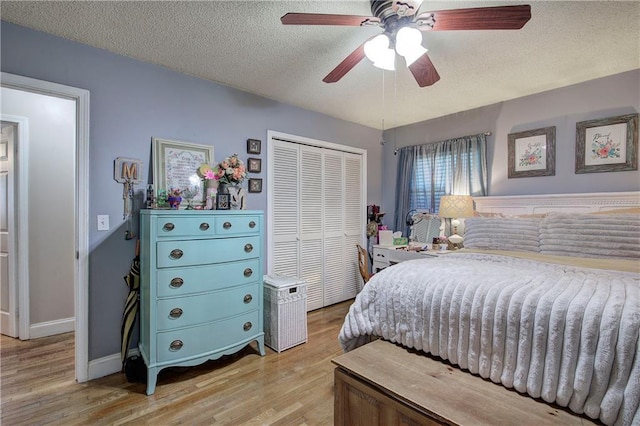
[{"x": 103, "y": 222}]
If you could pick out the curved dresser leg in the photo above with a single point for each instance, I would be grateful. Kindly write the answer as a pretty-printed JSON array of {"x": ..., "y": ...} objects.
[
  {"x": 152, "y": 379},
  {"x": 260, "y": 341}
]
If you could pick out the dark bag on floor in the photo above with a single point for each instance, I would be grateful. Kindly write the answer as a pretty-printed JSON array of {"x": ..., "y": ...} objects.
[{"x": 135, "y": 370}]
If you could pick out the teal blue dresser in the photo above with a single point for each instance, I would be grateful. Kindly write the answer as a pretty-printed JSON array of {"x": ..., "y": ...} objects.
[{"x": 201, "y": 286}]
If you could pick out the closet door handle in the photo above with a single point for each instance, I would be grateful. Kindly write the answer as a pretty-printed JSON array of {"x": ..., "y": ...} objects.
[
  {"x": 247, "y": 326},
  {"x": 248, "y": 298},
  {"x": 176, "y": 345},
  {"x": 248, "y": 272},
  {"x": 176, "y": 254},
  {"x": 204, "y": 226},
  {"x": 226, "y": 225},
  {"x": 248, "y": 248},
  {"x": 176, "y": 282},
  {"x": 168, "y": 226},
  {"x": 175, "y": 313},
  {"x": 252, "y": 224}
]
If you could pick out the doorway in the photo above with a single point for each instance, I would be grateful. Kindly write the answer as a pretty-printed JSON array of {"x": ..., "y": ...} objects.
[{"x": 78, "y": 198}]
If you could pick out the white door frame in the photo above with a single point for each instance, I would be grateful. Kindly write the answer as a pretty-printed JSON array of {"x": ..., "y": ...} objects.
[
  {"x": 81, "y": 267},
  {"x": 18, "y": 271}
]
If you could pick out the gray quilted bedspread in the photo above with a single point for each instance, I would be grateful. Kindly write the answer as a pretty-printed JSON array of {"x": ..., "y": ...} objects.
[{"x": 566, "y": 334}]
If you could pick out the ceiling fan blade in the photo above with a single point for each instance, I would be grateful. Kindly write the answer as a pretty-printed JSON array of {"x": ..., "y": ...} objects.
[
  {"x": 346, "y": 65},
  {"x": 479, "y": 18},
  {"x": 424, "y": 71},
  {"x": 327, "y": 19}
]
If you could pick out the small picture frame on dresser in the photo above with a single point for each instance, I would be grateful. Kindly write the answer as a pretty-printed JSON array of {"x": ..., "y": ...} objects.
[{"x": 222, "y": 202}]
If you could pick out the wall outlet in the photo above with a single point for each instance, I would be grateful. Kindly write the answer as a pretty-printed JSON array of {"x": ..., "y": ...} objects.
[{"x": 103, "y": 222}]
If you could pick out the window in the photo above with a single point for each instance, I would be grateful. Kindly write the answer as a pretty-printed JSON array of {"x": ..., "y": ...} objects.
[{"x": 427, "y": 172}]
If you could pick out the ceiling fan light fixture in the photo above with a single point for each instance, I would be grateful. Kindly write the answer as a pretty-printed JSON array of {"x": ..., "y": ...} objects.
[
  {"x": 377, "y": 50},
  {"x": 409, "y": 44},
  {"x": 386, "y": 61}
]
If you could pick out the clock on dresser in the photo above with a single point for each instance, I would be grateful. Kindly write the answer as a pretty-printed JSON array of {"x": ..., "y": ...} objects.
[{"x": 201, "y": 294}]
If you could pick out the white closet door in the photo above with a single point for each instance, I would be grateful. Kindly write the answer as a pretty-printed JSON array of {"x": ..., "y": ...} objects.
[
  {"x": 316, "y": 197},
  {"x": 285, "y": 178},
  {"x": 353, "y": 221},
  {"x": 333, "y": 218},
  {"x": 311, "y": 225}
]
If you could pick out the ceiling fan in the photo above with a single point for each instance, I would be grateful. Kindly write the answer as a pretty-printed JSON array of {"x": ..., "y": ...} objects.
[{"x": 402, "y": 30}]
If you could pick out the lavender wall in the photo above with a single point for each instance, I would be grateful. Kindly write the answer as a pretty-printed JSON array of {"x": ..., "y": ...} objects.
[
  {"x": 601, "y": 98},
  {"x": 130, "y": 103}
]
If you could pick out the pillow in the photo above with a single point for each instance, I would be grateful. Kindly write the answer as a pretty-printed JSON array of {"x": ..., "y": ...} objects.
[
  {"x": 503, "y": 233},
  {"x": 610, "y": 236}
]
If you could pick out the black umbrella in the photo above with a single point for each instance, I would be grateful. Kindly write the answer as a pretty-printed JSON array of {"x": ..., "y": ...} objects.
[{"x": 131, "y": 305}]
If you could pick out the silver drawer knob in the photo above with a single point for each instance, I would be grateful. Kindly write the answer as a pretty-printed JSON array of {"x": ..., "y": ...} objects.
[
  {"x": 252, "y": 224},
  {"x": 247, "y": 326},
  {"x": 248, "y": 298},
  {"x": 204, "y": 226},
  {"x": 248, "y": 272},
  {"x": 248, "y": 248},
  {"x": 226, "y": 225},
  {"x": 176, "y": 282},
  {"x": 176, "y": 345},
  {"x": 176, "y": 254},
  {"x": 175, "y": 313},
  {"x": 168, "y": 226}
]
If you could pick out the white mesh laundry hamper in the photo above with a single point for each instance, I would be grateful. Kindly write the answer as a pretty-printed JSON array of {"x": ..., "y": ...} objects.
[{"x": 285, "y": 312}]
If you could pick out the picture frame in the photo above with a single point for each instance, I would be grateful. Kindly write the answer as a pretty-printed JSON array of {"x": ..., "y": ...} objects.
[
  {"x": 254, "y": 165},
  {"x": 255, "y": 185},
  {"x": 532, "y": 153},
  {"x": 223, "y": 201},
  {"x": 607, "y": 144},
  {"x": 175, "y": 165},
  {"x": 254, "y": 146}
]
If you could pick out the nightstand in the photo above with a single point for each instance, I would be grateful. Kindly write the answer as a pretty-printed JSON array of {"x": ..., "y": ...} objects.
[{"x": 381, "y": 256}]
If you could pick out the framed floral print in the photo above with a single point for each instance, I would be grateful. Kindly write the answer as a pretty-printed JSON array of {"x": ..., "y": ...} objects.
[
  {"x": 607, "y": 144},
  {"x": 532, "y": 153}
]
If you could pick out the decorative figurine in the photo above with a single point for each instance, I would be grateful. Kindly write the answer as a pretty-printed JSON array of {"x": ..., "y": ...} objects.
[{"x": 174, "y": 199}]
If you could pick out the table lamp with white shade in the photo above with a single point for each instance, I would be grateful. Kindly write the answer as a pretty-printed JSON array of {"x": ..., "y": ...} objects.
[{"x": 455, "y": 207}]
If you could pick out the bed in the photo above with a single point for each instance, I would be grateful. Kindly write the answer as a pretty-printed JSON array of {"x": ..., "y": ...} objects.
[{"x": 546, "y": 302}]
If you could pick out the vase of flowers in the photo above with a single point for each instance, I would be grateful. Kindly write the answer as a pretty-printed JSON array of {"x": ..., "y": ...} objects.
[{"x": 229, "y": 175}]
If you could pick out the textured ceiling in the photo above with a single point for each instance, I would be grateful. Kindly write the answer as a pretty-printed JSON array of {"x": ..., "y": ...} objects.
[{"x": 242, "y": 44}]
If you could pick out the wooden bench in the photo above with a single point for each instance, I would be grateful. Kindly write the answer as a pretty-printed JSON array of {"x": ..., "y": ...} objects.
[{"x": 385, "y": 384}]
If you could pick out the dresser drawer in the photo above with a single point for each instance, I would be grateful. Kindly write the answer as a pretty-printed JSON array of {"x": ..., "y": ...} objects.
[
  {"x": 192, "y": 310},
  {"x": 174, "y": 226},
  {"x": 172, "y": 282},
  {"x": 381, "y": 255},
  {"x": 237, "y": 225},
  {"x": 198, "y": 340},
  {"x": 201, "y": 252}
]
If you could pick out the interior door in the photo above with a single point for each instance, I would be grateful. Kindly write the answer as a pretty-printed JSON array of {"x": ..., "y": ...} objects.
[
  {"x": 285, "y": 228},
  {"x": 312, "y": 258},
  {"x": 8, "y": 293},
  {"x": 334, "y": 236}
]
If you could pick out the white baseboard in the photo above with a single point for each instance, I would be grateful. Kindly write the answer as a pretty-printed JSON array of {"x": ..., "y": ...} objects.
[
  {"x": 109, "y": 364},
  {"x": 50, "y": 328}
]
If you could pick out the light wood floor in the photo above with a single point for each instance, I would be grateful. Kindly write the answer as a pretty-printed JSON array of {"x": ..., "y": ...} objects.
[{"x": 294, "y": 387}]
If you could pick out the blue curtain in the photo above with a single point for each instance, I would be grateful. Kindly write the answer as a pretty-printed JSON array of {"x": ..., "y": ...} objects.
[{"x": 427, "y": 172}]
